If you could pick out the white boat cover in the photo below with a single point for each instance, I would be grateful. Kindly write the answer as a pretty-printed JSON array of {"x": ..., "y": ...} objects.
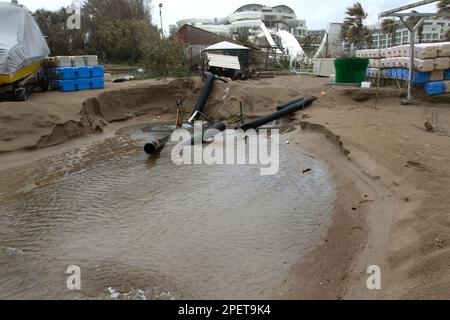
[
  {"x": 21, "y": 40},
  {"x": 225, "y": 45},
  {"x": 228, "y": 62}
]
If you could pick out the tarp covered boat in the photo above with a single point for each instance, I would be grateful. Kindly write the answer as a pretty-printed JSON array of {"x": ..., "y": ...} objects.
[{"x": 22, "y": 45}]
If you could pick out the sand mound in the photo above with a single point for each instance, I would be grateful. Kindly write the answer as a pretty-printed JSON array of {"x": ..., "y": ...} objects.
[{"x": 53, "y": 118}]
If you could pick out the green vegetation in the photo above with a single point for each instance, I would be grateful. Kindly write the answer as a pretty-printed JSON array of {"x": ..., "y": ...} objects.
[
  {"x": 118, "y": 31},
  {"x": 388, "y": 27},
  {"x": 353, "y": 29},
  {"x": 412, "y": 22}
]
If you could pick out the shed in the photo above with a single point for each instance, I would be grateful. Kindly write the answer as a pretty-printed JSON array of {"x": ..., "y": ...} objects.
[{"x": 231, "y": 49}]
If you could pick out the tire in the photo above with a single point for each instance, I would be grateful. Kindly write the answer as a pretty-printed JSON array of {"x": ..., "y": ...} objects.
[{"x": 21, "y": 94}]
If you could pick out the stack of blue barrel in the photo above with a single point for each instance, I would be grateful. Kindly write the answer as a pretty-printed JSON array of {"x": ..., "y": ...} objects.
[
  {"x": 68, "y": 79},
  {"x": 431, "y": 87}
]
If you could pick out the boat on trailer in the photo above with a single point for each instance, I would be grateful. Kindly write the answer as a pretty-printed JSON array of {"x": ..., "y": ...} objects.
[{"x": 23, "y": 49}]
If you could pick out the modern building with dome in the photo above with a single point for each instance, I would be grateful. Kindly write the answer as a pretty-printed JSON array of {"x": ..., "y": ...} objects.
[
  {"x": 278, "y": 18},
  {"x": 247, "y": 20}
]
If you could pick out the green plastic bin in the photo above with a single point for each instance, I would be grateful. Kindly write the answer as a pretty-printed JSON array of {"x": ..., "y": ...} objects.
[{"x": 351, "y": 70}]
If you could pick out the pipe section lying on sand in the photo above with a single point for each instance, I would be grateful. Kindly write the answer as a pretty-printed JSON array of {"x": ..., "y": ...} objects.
[
  {"x": 300, "y": 105},
  {"x": 157, "y": 144},
  {"x": 287, "y": 104},
  {"x": 204, "y": 95},
  {"x": 208, "y": 133}
]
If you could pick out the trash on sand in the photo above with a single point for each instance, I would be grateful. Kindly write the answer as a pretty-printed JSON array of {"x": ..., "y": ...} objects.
[
  {"x": 123, "y": 79},
  {"x": 307, "y": 170},
  {"x": 114, "y": 294},
  {"x": 428, "y": 126}
]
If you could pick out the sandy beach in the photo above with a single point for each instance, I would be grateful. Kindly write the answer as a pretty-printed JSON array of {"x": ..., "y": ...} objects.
[{"x": 391, "y": 174}]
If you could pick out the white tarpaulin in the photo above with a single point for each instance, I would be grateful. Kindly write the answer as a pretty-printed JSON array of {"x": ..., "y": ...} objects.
[
  {"x": 225, "y": 45},
  {"x": 222, "y": 61},
  {"x": 21, "y": 40}
]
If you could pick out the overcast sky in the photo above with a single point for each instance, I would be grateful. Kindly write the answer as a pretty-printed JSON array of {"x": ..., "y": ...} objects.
[{"x": 316, "y": 13}]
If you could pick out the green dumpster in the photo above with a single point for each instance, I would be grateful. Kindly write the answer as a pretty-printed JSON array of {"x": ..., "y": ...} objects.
[{"x": 351, "y": 70}]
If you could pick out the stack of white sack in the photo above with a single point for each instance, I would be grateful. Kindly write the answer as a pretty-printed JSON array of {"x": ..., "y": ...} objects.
[
  {"x": 443, "y": 49},
  {"x": 403, "y": 62},
  {"x": 437, "y": 75},
  {"x": 423, "y": 65},
  {"x": 425, "y": 51},
  {"x": 447, "y": 86},
  {"x": 442, "y": 63}
]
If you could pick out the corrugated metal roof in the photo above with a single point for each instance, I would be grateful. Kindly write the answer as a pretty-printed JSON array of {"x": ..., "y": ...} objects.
[
  {"x": 222, "y": 61},
  {"x": 225, "y": 45}
]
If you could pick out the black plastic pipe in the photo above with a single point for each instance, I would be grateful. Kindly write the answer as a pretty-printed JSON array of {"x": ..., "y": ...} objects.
[
  {"x": 287, "y": 104},
  {"x": 278, "y": 114},
  {"x": 204, "y": 94},
  {"x": 208, "y": 133},
  {"x": 157, "y": 144}
]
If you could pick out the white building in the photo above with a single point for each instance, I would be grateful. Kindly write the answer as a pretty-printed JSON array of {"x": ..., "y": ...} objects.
[
  {"x": 433, "y": 30},
  {"x": 277, "y": 18},
  {"x": 247, "y": 20}
]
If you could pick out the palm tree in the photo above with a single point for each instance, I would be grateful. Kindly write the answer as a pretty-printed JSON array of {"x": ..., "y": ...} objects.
[
  {"x": 447, "y": 35},
  {"x": 444, "y": 7},
  {"x": 388, "y": 26},
  {"x": 412, "y": 22},
  {"x": 353, "y": 29}
]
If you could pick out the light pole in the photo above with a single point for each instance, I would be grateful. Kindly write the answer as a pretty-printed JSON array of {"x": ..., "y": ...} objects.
[{"x": 160, "y": 18}]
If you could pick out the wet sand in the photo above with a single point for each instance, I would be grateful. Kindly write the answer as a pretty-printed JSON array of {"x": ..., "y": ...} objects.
[
  {"x": 392, "y": 200},
  {"x": 147, "y": 228}
]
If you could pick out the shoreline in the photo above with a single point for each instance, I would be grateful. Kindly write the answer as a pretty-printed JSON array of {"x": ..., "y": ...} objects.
[{"x": 336, "y": 269}]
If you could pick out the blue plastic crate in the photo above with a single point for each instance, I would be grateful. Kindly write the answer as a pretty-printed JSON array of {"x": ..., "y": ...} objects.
[
  {"x": 421, "y": 77},
  {"x": 63, "y": 85},
  {"x": 82, "y": 84},
  {"x": 82, "y": 72},
  {"x": 405, "y": 74},
  {"x": 96, "y": 71},
  {"x": 389, "y": 73},
  {"x": 434, "y": 88},
  {"x": 447, "y": 74},
  {"x": 97, "y": 83},
  {"x": 397, "y": 73},
  {"x": 63, "y": 73}
]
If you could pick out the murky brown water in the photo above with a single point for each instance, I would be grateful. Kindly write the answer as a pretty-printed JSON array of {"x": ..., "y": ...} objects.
[{"x": 149, "y": 229}]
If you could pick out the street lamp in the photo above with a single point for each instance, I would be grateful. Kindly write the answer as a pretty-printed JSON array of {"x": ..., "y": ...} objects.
[{"x": 160, "y": 17}]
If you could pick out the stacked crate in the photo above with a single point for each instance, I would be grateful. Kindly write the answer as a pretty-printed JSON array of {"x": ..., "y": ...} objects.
[
  {"x": 77, "y": 73},
  {"x": 431, "y": 65}
]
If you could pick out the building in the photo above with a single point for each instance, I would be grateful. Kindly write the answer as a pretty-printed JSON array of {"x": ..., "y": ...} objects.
[
  {"x": 246, "y": 21},
  {"x": 196, "y": 39},
  {"x": 277, "y": 18},
  {"x": 434, "y": 30}
]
